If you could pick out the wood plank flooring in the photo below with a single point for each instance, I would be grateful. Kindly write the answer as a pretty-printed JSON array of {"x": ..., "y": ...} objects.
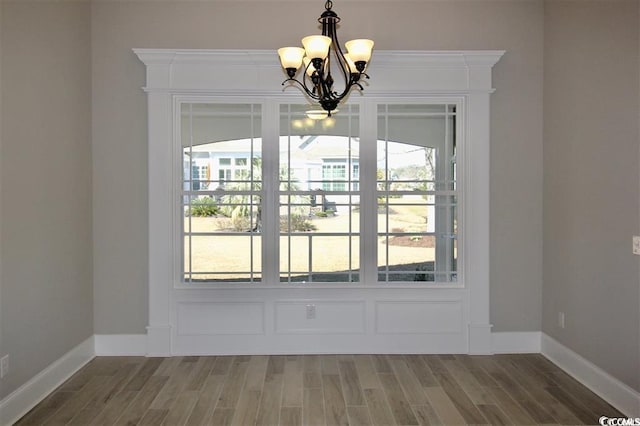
[{"x": 321, "y": 390}]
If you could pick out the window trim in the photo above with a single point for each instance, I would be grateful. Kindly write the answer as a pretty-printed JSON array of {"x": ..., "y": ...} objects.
[{"x": 214, "y": 73}]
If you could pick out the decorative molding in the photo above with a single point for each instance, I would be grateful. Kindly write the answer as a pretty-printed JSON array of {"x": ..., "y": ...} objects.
[
  {"x": 612, "y": 390},
  {"x": 259, "y": 71},
  {"x": 121, "y": 344},
  {"x": 209, "y": 318},
  {"x": 330, "y": 317},
  {"x": 524, "y": 342},
  {"x": 419, "y": 316},
  {"x": 27, "y": 396},
  {"x": 174, "y": 76}
]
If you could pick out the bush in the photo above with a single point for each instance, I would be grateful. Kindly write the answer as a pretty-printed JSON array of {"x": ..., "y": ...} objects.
[
  {"x": 203, "y": 207},
  {"x": 299, "y": 223}
]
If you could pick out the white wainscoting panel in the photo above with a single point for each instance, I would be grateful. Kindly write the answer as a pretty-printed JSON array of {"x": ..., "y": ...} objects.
[
  {"x": 419, "y": 317},
  {"x": 211, "y": 318},
  {"x": 338, "y": 317},
  {"x": 319, "y": 320}
]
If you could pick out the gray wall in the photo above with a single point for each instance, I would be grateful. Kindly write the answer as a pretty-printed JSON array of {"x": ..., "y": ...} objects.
[
  {"x": 119, "y": 123},
  {"x": 47, "y": 302},
  {"x": 2, "y": 345},
  {"x": 68, "y": 77},
  {"x": 591, "y": 182}
]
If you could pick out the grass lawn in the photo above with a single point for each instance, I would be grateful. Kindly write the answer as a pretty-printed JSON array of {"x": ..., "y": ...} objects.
[{"x": 329, "y": 253}]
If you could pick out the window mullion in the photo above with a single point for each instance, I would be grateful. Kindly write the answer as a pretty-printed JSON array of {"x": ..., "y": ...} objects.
[
  {"x": 270, "y": 198},
  {"x": 368, "y": 200}
]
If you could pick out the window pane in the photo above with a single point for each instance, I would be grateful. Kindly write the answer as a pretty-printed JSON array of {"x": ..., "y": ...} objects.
[
  {"x": 217, "y": 247},
  {"x": 221, "y": 152},
  {"x": 319, "y": 202},
  {"x": 416, "y": 185},
  {"x": 300, "y": 256}
]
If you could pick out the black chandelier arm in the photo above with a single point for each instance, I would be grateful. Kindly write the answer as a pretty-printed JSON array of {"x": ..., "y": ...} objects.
[
  {"x": 355, "y": 83},
  {"x": 318, "y": 82},
  {"x": 309, "y": 93},
  {"x": 321, "y": 91},
  {"x": 327, "y": 88},
  {"x": 352, "y": 80},
  {"x": 314, "y": 79},
  {"x": 342, "y": 61}
]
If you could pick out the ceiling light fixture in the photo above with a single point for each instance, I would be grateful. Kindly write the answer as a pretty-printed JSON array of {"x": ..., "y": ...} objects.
[{"x": 323, "y": 55}]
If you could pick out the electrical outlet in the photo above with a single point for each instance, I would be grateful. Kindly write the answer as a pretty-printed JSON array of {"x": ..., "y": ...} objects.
[
  {"x": 636, "y": 245},
  {"x": 311, "y": 311},
  {"x": 561, "y": 319},
  {"x": 4, "y": 366}
]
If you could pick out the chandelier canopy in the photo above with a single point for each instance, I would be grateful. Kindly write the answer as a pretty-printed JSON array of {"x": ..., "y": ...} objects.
[{"x": 322, "y": 59}]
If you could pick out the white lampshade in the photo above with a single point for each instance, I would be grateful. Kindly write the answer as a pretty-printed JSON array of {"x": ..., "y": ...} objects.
[
  {"x": 291, "y": 57},
  {"x": 360, "y": 49},
  {"x": 310, "y": 69},
  {"x": 316, "y": 46},
  {"x": 352, "y": 65}
]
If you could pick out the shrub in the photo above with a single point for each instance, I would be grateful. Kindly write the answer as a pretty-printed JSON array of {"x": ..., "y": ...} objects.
[
  {"x": 299, "y": 223},
  {"x": 203, "y": 207}
]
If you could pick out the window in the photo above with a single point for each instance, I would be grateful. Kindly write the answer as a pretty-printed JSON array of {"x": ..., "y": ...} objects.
[
  {"x": 221, "y": 218},
  {"x": 311, "y": 230},
  {"x": 199, "y": 175},
  {"x": 319, "y": 209},
  {"x": 334, "y": 176},
  {"x": 416, "y": 192},
  {"x": 229, "y": 171}
]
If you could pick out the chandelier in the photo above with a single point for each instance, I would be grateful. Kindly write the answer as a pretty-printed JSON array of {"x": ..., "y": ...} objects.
[{"x": 323, "y": 59}]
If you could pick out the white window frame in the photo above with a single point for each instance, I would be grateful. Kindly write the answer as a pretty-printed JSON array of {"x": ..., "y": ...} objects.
[
  {"x": 369, "y": 233},
  {"x": 441, "y": 171},
  {"x": 242, "y": 76}
]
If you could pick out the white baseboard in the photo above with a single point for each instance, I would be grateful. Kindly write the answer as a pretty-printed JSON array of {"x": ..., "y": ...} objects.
[
  {"x": 27, "y": 396},
  {"x": 121, "y": 344},
  {"x": 525, "y": 342},
  {"x": 612, "y": 390},
  {"x": 136, "y": 344}
]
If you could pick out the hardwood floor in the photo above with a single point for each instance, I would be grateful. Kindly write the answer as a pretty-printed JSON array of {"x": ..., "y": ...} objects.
[{"x": 321, "y": 390}]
